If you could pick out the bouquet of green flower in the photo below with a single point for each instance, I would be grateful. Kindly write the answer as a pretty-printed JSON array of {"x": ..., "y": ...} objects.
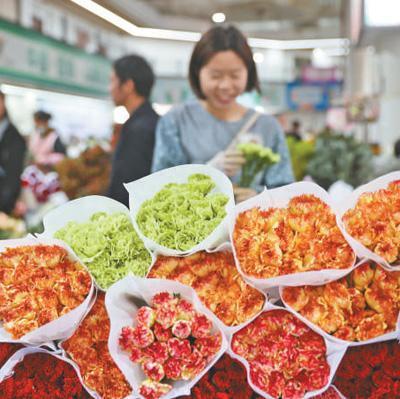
[{"x": 258, "y": 158}]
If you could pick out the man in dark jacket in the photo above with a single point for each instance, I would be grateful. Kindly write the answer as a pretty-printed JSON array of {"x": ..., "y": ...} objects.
[
  {"x": 131, "y": 83},
  {"x": 12, "y": 154}
]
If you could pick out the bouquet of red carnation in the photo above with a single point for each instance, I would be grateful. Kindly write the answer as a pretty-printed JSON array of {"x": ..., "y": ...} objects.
[
  {"x": 171, "y": 341},
  {"x": 286, "y": 358},
  {"x": 226, "y": 380},
  {"x": 42, "y": 376},
  {"x": 6, "y": 350},
  {"x": 370, "y": 371},
  {"x": 88, "y": 348},
  {"x": 330, "y": 393}
]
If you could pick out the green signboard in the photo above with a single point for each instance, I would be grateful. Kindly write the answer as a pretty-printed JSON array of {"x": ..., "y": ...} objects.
[{"x": 29, "y": 57}]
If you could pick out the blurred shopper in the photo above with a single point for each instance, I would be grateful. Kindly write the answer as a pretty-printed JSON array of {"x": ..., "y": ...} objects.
[
  {"x": 206, "y": 130},
  {"x": 12, "y": 154},
  {"x": 397, "y": 149},
  {"x": 45, "y": 147},
  {"x": 131, "y": 82},
  {"x": 294, "y": 132}
]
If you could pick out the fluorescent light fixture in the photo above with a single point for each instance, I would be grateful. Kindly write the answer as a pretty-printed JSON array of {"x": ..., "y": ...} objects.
[
  {"x": 169, "y": 34},
  {"x": 382, "y": 12},
  {"x": 337, "y": 52},
  {"x": 258, "y": 57},
  {"x": 218, "y": 17},
  {"x": 131, "y": 28}
]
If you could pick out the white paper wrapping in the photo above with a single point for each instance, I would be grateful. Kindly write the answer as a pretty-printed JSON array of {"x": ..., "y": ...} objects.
[
  {"x": 375, "y": 185},
  {"x": 145, "y": 188},
  {"x": 385, "y": 337},
  {"x": 334, "y": 354},
  {"x": 279, "y": 198},
  {"x": 122, "y": 312},
  {"x": 229, "y": 330},
  {"x": 80, "y": 211},
  {"x": 56, "y": 329}
]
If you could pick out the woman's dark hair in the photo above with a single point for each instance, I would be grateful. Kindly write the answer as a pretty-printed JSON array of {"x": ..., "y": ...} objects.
[
  {"x": 137, "y": 69},
  {"x": 221, "y": 38},
  {"x": 42, "y": 116}
]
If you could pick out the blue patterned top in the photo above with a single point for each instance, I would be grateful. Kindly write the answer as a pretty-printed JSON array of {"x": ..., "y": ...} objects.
[{"x": 189, "y": 134}]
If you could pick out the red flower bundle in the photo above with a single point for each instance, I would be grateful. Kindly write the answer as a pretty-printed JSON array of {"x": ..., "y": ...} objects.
[
  {"x": 371, "y": 371},
  {"x": 39, "y": 284},
  {"x": 286, "y": 358},
  {"x": 330, "y": 393},
  {"x": 226, "y": 380},
  {"x": 89, "y": 349},
  {"x": 6, "y": 350},
  {"x": 171, "y": 341},
  {"x": 42, "y": 376}
]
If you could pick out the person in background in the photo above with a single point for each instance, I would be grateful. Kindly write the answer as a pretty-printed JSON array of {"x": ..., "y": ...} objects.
[
  {"x": 45, "y": 147},
  {"x": 207, "y": 129},
  {"x": 397, "y": 149},
  {"x": 12, "y": 155},
  {"x": 386, "y": 163},
  {"x": 131, "y": 82},
  {"x": 295, "y": 130}
]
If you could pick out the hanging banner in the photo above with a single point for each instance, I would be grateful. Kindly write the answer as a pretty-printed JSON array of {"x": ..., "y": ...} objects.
[{"x": 28, "y": 57}]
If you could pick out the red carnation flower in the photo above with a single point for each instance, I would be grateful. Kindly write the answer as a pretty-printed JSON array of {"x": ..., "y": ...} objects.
[
  {"x": 381, "y": 379},
  {"x": 376, "y": 354},
  {"x": 221, "y": 395},
  {"x": 31, "y": 380},
  {"x": 220, "y": 381},
  {"x": 362, "y": 370},
  {"x": 391, "y": 366},
  {"x": 7, "y": 350}
]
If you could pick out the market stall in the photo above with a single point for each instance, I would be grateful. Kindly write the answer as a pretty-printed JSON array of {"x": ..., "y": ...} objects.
[{"x": 186, "y": 294}]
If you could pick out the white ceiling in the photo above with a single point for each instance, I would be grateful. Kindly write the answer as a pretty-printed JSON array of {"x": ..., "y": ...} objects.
[{"x": 274, "y": 19}]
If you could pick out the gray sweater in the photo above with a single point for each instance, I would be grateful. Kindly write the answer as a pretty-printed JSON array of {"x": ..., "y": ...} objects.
[{"x": 189, "y": 134}]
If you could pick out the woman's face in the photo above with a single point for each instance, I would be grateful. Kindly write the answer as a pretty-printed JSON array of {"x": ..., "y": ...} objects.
[{"x": 223, "y": 78}]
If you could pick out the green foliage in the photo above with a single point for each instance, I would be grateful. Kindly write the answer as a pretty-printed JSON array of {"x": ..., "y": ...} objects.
[
  {"x": 339, "y": 157},
  {"x": 300, "y": 153}
]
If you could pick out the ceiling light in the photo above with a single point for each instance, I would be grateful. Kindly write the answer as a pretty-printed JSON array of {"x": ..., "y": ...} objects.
[
  {"x": 218, "y": 17},
  {"x": 258, "y": 57},
  {"x": 170, "y": 34},
  {"x": 320, "y": 58}
]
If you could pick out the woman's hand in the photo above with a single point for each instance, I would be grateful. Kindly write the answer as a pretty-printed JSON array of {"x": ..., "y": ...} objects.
[
  {"x": 242, "y": 194},
  {"x": 229, "y": 161}
]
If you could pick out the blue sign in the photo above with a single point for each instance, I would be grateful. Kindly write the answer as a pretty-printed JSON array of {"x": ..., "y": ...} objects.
[{"x": 315, "y": 96}]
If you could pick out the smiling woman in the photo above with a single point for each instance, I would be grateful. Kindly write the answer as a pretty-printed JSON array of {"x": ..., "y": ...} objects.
[{"x": 209, "y": 129}]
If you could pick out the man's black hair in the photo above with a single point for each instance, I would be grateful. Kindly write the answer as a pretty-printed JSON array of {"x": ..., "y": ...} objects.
[{"x": 135, "y": 68}]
